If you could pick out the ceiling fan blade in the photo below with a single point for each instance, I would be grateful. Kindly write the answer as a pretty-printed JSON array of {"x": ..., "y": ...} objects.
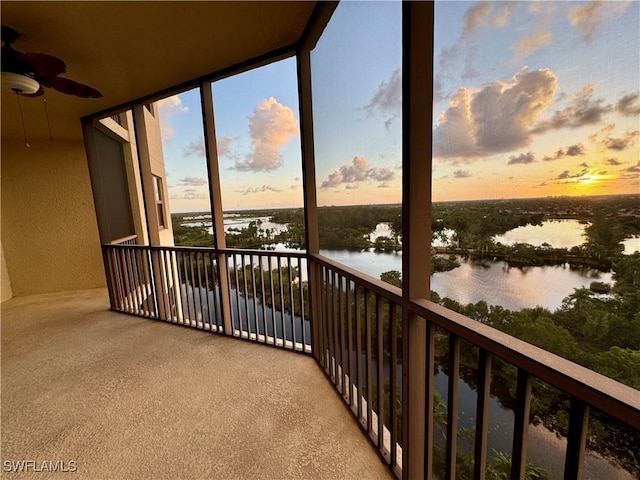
[
  {"x": 71, "y": 87},
  {"x": 43, "y": 65},
  {"x": 9, "y": 35}
]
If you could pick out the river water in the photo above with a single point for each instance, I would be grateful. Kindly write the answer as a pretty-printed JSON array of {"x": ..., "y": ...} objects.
[{"x": 494, "y": 282}]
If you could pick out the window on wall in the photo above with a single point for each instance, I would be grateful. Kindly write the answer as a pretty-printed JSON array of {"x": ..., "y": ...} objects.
[
  {"x": 159, "y": 197},
  {"x": 357, "y": 104},
  {"x": 259, "y": 156},
  {"x": 535, "y": 181}
]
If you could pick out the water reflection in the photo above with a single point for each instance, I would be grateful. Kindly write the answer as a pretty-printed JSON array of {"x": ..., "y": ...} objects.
[{"x": 557, "y": 233}]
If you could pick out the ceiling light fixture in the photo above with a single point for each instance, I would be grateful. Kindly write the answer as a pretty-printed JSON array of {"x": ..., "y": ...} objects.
[{"x": 20, "y": 84}]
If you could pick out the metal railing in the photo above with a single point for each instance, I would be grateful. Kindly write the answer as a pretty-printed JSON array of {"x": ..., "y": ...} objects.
[
  {"x": 128, "y": 240},
  {"x": 354, "y": 323},
  {"x": 266, "y": 292}
]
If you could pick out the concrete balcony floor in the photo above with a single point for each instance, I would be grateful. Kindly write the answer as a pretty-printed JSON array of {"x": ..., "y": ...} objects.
[{"x": 126, "y": 397}]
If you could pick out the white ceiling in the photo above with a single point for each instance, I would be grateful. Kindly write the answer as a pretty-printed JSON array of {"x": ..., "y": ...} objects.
[{"x": 128, "y": 50}]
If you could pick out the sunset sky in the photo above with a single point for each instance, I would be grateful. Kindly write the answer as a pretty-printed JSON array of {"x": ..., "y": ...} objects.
[{"x": 531, "y": 99}]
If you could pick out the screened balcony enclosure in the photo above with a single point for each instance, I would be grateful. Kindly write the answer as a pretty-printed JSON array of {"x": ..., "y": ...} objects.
[{"x": 416, "y": 389}]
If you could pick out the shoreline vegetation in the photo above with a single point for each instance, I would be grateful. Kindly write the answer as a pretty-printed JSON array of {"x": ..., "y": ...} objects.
[{"x": 601, "y": 333}]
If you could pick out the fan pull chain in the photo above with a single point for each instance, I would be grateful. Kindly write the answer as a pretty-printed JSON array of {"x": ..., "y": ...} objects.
[
  {"x": 24, "y": 129},
  {"x": 46, "y": 112}
]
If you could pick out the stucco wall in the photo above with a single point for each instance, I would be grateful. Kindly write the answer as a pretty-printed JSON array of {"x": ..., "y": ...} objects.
[
  {"x": 156, "y": 158},
  {"x": 5, "y": 283},
  {"x": 49, "y": 230}
]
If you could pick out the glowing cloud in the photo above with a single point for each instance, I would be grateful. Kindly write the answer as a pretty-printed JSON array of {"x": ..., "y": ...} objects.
[
  {"x": 167, "y": 108},
  {"x": 358, "y": 170},
  {"x": 497, "y": 118},
  {"x": 271, "y": 127}
]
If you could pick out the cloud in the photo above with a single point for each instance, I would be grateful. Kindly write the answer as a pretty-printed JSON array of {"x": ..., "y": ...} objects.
[
  {"x": 522, "y": 158},
  {"x": 629, "y": 104},
  {"x": 634, "y": 169},
  {"x": 575, "y": 150},
  {"x": 194, "y": 148},
  {"x": 619, "y": 144},
  {"x": 192, "y": 181},
  {"x": 167, "y": 108},
  {"x": 589, "y": 17},
  {"x": 502, "y": 16},
  {"x": 474, "y": 16},
  {"x": 497, "y": 118},
  {"x": 461, "y": 174},
  {"x": 582, "y": 110},
  {"x": 388, "y": 98},
  {"x": 542, "y": 184},
  {"x": 532, "y": 42},
  {"x": 567, "y": 175},
  {"x": 189, "y": 194},
  {"x": 262, "y": 189},
  {"x": 271, "y": 127},
  {"x": 613, "y": 161},
  {"x": 570, "y": 151},
  {"x": 357, "y": 171},
  {"x": 223, "y": 145}
]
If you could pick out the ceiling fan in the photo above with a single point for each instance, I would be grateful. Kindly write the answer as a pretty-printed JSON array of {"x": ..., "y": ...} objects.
[{"x": 27, "y": 73}]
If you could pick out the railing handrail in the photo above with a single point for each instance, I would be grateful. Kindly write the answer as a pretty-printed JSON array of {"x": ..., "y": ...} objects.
[
  {"x": 612, "y": 397},
  {"x": 120, "y": 241},
  {"x": 375, "y": 285},
  {"x": 229, "y": 251}
]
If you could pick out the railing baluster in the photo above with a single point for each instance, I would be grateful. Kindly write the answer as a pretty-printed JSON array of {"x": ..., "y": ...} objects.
[
  {"x": 358, "y": 316},
  {"x": 302, "y": 303},
  {"x": 238, "y": 308},
  {"x": 198, "y": 256},
  {"x": 336, "y": 330},
  {"x": 131, "y": 289},
  {"x": 521, "y": 425},
  {"x": 429, "y": 394},
  {"x": 177, "y": 289},
  {"x": 167, "y": 258},
  {"x": 380, "y": 355},
  {"x": 330, "y": 319},
  {"x": 182, "y": 274},
  {"x": 194, "y": 320},
  {"x": 273, "y": 303},
  {"x": 452, "y": 406},
  {"x": 341, "y": 319},
  {"x": 282, "y": 313},
  {"x": 393, "y": 379},
  {"x": 255, "y": 297},
  {"x": 349, "y": 341},
  {"x": 136, "y": 281},
  {"x": 323, "y": 316},
  {"x": 215, "y": 291},
  {"x": 291, "y": 304},
  {"x": 206, "y": 259},
  {"x": 246, "y": 329},
  {"x": 368, "y": 363},
  {"x": 138, "y": 261},
  {"x": 117, "y": 270},
  {"x": 482, "y": 414},
  {"x": 576, "y": 439},
  {"x": 154, "y": 300},
  {"x": 263, "y": 293}
]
